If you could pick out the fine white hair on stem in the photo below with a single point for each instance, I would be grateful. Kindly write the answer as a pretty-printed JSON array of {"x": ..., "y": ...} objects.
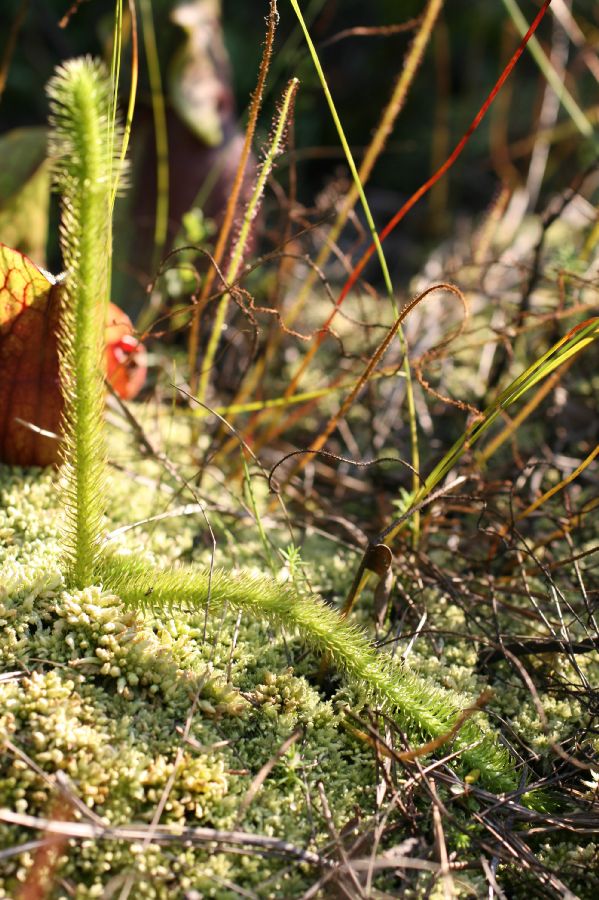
[{"x": 82, "y": 148}]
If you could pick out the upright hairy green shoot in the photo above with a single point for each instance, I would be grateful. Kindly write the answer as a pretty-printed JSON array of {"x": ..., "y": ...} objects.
[{"x": 82, "y": 147}]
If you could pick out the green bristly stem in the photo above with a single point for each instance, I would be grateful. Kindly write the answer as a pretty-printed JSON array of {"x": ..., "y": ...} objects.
[
  {"x": 82, "y": 134},
  {"x": 231, "y": 208},
  {"x": 425, "y": 709}
]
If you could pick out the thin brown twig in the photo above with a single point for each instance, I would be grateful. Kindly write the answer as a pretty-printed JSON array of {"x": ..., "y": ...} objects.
[
  {"x": 225, "y": 230},
  {"x": 265, "y": 771},
  {"x": 372, "y": 31},
  {"x": 339, "y": 846},
  {"x": 11, "y": 43},
  {"x": 410, "y": 756},
  {"x": 74, "y": 8},
  {"x": 441, "y": 846},
  {"x": 163, "y": 834}
]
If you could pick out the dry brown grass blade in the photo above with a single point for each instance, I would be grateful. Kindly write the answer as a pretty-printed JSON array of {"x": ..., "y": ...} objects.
[
  {"x": 449, "y": 892},
  {"x": 229, "y": 218},
  {"x": 371, "y": 31},
  {"x": 366, "y": 375},
  {"x": 265, "y": 771},
  {"x": 410, "y": 756},
  {"x": 41, "y": 876}
]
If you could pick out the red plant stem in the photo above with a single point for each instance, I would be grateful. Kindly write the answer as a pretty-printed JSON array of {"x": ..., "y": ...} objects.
[
  {"x": 425, "y": 188},
  {"x": 292, "y": 387}
]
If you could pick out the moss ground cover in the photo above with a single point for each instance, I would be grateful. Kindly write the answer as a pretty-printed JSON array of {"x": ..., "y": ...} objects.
[{"x": 102, "y": 694}]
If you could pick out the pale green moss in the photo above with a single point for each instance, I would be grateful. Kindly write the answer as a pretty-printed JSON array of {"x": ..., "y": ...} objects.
[
  {"x": 103, "y": 692},
  {"x": 105, "y": 688}
]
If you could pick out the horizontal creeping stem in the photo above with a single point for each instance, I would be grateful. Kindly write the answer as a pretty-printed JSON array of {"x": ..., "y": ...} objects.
[{"x": 425, "y": 709}]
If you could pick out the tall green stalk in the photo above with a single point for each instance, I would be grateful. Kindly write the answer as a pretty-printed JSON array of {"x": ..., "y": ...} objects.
[
  {"x": 359, "y": 188},
  {"x": 82, "y": 142}
]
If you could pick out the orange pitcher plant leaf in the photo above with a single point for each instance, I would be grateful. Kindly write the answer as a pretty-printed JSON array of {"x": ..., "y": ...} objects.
[
  {"x": 29, "y": 384},
  {"x": 126, "y": 359},
  {"x": 30, "y": 397}
]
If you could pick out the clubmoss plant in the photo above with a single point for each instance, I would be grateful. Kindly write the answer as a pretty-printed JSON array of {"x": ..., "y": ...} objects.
[
  {"x": 423, "y": 708},
  {"x": 84, "y": 149}
]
